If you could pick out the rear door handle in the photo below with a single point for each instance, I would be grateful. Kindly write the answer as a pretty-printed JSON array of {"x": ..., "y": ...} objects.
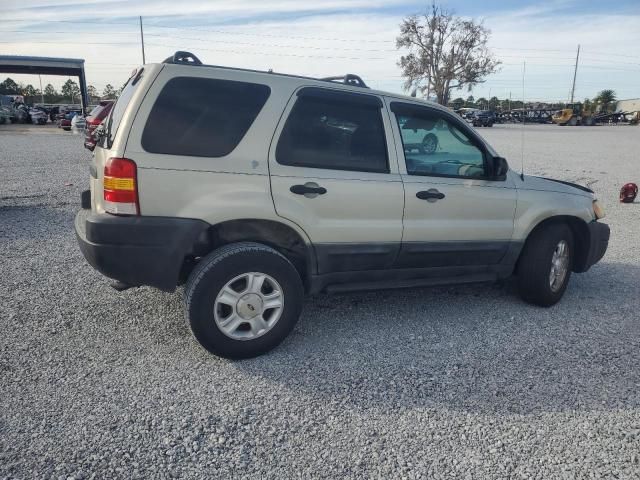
[
  {"x": 307, "y": 189},
  {"x": 431, "y": 195}
]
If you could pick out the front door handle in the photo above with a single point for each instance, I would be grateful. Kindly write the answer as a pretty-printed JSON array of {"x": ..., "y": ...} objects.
[
  {"x": 307, "y": 189},
  {"x": 431, "y": 195}
]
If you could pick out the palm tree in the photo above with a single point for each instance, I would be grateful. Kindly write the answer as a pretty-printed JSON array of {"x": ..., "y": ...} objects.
[{"x": 605, "y": 98}]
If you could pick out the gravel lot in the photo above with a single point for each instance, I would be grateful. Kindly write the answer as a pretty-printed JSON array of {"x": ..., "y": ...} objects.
[{"x": 465, "y": 382}]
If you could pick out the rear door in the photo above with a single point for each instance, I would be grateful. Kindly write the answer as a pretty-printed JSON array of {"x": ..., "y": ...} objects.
[{"x": 334, "y": 172}]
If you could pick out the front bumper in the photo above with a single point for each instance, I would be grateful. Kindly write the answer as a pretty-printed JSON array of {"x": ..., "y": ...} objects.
[
  {"x": 138, "y": 250},
  {"x": 598, "y": 243}
]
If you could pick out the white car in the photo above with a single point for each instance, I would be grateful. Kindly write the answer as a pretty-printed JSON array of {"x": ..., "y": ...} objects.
[
  {"x": 254, "y": 188},
  {"x": 78, "y": 121}
]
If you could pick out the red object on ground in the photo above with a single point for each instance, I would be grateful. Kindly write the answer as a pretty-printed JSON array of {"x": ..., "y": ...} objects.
[{"x": 628, "y": 193}]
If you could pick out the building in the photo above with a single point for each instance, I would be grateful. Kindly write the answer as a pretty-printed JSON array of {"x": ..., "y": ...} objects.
[{"x": 630, "y": 105}]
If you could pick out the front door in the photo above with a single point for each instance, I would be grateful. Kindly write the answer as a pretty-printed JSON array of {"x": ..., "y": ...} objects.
[
  {"x": 455, "y": 213},
  {"x": 333, "y": 173}
]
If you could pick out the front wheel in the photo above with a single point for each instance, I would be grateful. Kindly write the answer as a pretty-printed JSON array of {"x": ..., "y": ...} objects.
[
  {"x": 243, "y": 299},
  {"x": 544, "y": 268}
]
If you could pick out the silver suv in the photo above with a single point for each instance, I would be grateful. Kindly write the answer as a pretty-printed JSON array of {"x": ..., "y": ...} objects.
[{"x": 254, "y": 188}]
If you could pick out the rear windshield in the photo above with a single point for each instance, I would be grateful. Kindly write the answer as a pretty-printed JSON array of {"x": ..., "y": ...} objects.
[
  {"x": 120, "y": 107},
  {"x": 202, "y": 117}
]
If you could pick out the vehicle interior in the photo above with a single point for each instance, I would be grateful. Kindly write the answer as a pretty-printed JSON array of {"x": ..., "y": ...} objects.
[{"x": 436, "y": 147}]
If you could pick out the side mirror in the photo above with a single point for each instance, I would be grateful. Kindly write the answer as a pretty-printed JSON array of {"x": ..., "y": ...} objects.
[{"x": 500, "y": 168}]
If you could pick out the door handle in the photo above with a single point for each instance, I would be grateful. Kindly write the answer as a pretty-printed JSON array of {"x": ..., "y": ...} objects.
[
  {"x": 307, "y": 189},
  {"x": 431, "y": 195}
]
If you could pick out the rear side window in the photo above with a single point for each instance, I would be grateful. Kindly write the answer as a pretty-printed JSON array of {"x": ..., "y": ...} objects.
[
  {"x": 202, "y": 117},
  {"x": 334, "y": 133},
  {"x": 121, "y": 105}
]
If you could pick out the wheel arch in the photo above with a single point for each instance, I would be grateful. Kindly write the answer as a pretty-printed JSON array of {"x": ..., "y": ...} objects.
[
  {"x": 581, "y": 237},
  {"x": 281, "y": 237}
]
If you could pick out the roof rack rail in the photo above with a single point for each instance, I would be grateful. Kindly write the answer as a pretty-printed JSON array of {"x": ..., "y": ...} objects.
[
  {"x": 348, "y": 79},
  {"x": 183, "y": 58}
]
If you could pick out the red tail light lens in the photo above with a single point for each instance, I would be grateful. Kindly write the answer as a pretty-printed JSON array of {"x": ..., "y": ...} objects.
[{"x": 121, "y": 187}]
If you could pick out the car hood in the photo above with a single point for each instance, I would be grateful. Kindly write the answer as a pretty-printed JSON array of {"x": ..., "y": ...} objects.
[{"x": 544, "y": 184}]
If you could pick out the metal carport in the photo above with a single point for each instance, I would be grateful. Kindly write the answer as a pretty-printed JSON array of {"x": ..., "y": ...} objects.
[{"x": 73, "y": 67}]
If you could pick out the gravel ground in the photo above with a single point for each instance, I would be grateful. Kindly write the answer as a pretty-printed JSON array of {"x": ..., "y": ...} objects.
[{"x": 465, "y": 382}]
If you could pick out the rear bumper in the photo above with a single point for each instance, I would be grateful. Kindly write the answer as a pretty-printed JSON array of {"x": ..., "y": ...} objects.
[
  {"x": 598, "y": 243},
  {"x": 138, "y": 250}
]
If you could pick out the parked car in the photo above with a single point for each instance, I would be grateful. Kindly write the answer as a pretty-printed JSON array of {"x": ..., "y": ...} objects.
[
  {"x": 38, "y": 116},
  {"x": 5, "y": 115},
  {"x": 254, "y": 188},
  {"x": 53, "y": 114},
  {"x": 95, "y": 118},
  {"x": 483, "y": 118},
  {"x": 78, "y": 121},
  {"x": 65, "y": 117}
]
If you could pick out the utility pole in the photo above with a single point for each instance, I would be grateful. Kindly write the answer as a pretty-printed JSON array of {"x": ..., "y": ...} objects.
[
  {"x": 41, "y": 92},
  {"x": 142, "y": 41},
  {"x": 509, "y": 101},
  {"x": 575, "y": 71}
]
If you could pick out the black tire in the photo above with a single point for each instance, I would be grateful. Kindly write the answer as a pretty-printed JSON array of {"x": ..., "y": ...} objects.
[
  {"x": 214, "y": 271},
  {"x": 534, "y": 266}
]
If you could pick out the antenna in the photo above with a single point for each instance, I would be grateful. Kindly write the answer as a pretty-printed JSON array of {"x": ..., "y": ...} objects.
[
  {"x": 142, "y": 41},
  {"x": 524, "y": 118}
]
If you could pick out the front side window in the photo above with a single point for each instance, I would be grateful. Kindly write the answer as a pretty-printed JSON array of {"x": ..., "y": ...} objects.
[
  {"x": 435, "y": 146},
  {"x": 202, "y": 117},
  {"x": 334, "y": 133}
]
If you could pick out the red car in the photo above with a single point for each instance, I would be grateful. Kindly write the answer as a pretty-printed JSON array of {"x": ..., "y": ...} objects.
[{"x": 95, "y": 118}]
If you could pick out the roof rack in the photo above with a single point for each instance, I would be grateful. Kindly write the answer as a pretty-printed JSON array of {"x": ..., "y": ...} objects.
[
  {"x": 184, "y": 58},
  {"x": 188, "y": 58},
  {"x": 348, "y": 79}
]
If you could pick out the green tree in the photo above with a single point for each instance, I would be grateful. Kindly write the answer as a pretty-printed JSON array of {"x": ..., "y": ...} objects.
[
  {"x": 457, "y": 103},
  {"x": 109, "y": 92},
  {"x": 9, "y": 87},
  {"x": 71, "y": 90},
  {"x": 444, "y": 52},
  {"x": 50, "y": 94},
  {"x": 494, "y": 103},
  {"x": 92, "y": 92},
  {"x": 482, "y": 103},
  {"x": 470, "y": 101},
  {"x": 29, "y": 91},
  {"x": 604, "y": 99}
]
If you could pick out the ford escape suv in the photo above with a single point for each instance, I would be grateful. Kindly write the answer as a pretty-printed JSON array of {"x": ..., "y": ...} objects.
[{"x": 256, "y": 188}]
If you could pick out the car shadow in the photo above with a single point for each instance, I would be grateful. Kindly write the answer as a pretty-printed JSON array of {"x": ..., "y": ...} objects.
[{"x": 477, "y": 349}]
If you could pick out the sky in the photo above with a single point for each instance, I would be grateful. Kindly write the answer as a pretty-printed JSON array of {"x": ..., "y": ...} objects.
[{"x": 330, "y": 37}]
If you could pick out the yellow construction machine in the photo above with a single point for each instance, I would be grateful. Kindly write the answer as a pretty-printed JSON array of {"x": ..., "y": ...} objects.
[{"x": 573, "y": 115}]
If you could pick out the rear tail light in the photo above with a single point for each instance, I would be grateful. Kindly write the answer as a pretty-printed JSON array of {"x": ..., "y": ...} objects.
[{"x": 121, "y": 187}]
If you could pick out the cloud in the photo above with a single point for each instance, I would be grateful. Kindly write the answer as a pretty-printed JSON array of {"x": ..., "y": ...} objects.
[{"x": 330, "y": 37}]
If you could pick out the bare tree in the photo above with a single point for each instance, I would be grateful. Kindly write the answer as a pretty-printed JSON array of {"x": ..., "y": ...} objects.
[{"x": 445, "y": 53}]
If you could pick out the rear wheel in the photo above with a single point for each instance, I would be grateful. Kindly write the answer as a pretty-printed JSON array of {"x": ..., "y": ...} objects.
[
  {"x": 544, "y": 267},
  {"x": 243, "y": 299}
]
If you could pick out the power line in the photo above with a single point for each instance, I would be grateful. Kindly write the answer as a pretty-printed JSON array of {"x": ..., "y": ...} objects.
[{"x": 252, "y": 44}]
